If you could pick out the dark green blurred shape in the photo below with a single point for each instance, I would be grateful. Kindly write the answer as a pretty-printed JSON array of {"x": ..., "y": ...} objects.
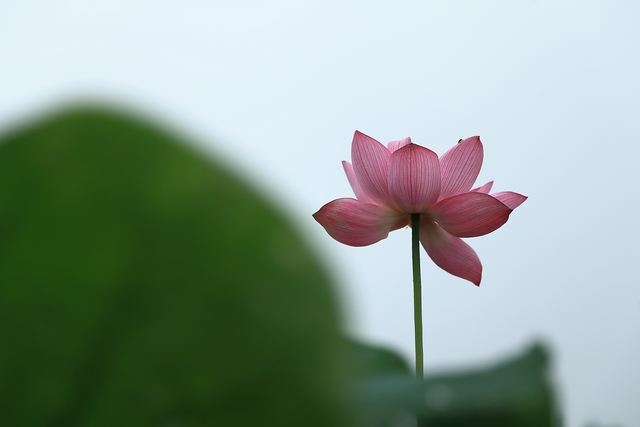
[
  {"x": 513, "y": 393},
  {"x": 368, "y": 361},
  {"x": 143, "y": 284}
]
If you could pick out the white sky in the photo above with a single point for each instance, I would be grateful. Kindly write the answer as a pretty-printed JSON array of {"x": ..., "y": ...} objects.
[{"x": 552, "y": 88}]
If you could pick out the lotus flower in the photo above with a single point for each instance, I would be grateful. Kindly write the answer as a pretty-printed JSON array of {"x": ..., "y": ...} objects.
[{"x": 393, "y": 182}]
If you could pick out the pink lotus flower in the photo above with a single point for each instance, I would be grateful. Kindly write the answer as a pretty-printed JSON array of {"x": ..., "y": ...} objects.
[{"x": 391, "y": 183}]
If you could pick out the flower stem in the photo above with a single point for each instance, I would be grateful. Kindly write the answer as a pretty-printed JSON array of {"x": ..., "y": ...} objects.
[{"x": 417, "y": 292}]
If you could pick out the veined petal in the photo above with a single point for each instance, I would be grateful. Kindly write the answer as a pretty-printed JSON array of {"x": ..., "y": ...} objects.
[
  {"x": 355, "y": 223},
  {"x": 404, "y": 221},
  {"x": 460, "y": 167},
  {"x": 395, "y": 145},
  {"x": 355, "y": 186},
  {"x": 450, "y": 253},
  {"x": 511, "y": 199},
  {"x": 470, "y": 214},
  {"x": 371, "y": 164},
  {"x": 414, "y": 178},
  {"x": 485, "y": 188}
]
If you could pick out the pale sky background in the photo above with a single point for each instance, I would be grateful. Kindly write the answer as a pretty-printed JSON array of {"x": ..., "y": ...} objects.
[{"x": 278, "y": 87}]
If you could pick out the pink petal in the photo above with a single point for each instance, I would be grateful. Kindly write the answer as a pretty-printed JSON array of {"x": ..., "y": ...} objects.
[
  {"x": 511, "y": 199},
  {"x": 395, "y": 145},
  {"x": 355, "y": 223},
  {"x": 414, "y": 178},
  {"x": 485, "y": 188},
  {"x": 450, "y": 253},
  {"x": 460, "y": 167},
  {"x": 370, "y": 164},
  {"x": 404, "y": 221},
  {"x": 355, "y": 186},
  {"x": 470, "y": 214}
]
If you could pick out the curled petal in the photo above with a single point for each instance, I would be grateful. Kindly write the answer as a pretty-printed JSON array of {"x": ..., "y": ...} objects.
[
  {"x": 355, "y": 223},
  {"x": 511, "y": 199},
  {"x": 470, "y": 214},
  {"x": 370, "y": 164},
  {"x": 450, "y": 253},
  {"x": 460, "y": 167},
  {"x": 396, "y": 145},
  {"x": 414, "y": 178},
  {"x": 353, "y": 181},
  {"x": 485, "y": 188}
]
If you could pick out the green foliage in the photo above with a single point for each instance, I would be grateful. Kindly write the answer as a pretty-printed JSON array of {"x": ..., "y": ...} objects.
[
  {"x": 367, "y": 361},
  {"x": 143, "y": 284},
  {"x": 514, "y": 393}
]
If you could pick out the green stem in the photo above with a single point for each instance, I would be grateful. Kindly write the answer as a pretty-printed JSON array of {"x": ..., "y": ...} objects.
[{"x": 417, "y": 292}]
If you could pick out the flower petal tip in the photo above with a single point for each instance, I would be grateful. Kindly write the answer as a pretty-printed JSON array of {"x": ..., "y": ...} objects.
[
  {"x": 510, "y": 199},
  {"x": 485, "y": 188},
  {"x": 396, "y": 145},
  {"x": 471, "y": 140}
]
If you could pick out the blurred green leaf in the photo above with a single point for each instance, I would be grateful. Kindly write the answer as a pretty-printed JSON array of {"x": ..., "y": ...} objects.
[
  {"x": 143, "y": 284},
  {"x": 514, "y": 393},
  {"x": 370, "y": 361}
]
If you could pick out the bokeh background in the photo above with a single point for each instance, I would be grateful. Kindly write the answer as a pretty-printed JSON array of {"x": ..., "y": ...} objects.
[{"x": 277, "y": 89}]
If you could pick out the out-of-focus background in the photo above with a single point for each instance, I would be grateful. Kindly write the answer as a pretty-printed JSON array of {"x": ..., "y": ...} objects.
[{"x": 277, "y": 88}]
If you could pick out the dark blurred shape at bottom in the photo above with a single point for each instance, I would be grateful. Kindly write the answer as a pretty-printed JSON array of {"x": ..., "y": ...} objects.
[{"x": 514, "y": 393}]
